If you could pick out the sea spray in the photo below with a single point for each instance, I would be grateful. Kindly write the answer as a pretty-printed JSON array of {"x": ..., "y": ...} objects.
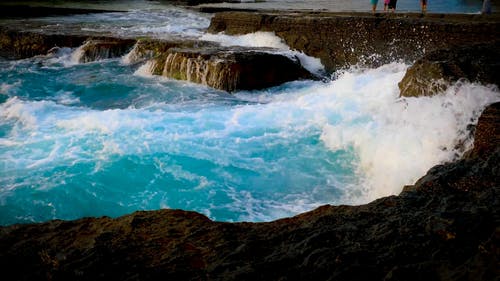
[
  {"x": 127, "y": 142},
  {"x": 145, "y": 70},
  {"x": 398, "y": 139},
  {"x": 269, "y": 40}
]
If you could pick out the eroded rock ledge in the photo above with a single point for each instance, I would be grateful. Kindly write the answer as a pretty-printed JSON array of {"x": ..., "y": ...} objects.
[
  {"x": 207, "y": 63},
  {"x": 344, "y": 39},
  {"x": 445, "y": 227},
  {"x": 436, "y": 70},
  {"x": 230, "y": 69}
]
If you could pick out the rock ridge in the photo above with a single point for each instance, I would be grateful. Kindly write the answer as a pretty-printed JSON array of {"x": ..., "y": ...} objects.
[
  {"x": 344, "y": 39},
  {"x": 436, "y": 70},
  {"x": 230, "y": 69}
]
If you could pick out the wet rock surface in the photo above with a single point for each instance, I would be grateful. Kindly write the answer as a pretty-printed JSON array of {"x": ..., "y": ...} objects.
[
  {"x": 435, "y": 71},
  {"x": 345, "y": 39},
  {"x": 146, "y": 49},
  {"x": 15, "y": 44},
  {"x": 445, "y": 227},
  {"x": 230, "y": 69},
  {"x": 99, "y": 49}
]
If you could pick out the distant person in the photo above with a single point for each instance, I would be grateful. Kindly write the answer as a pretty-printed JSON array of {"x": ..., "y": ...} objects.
[
  {"x": 374, "y": 5},
  {"x": 486, "y": 7},
  {"x": 386, "y": 4},
  {"x": 392, "y": 5},
  {"x": 423, "y": 5}
]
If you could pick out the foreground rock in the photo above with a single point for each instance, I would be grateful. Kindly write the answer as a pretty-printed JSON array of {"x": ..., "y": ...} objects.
[
  {"x": 446, "y": 227},
  {"x": 344, "y": 39},
  {"x": 435, "y": 71},
  {"x": 230, "y": 69}
]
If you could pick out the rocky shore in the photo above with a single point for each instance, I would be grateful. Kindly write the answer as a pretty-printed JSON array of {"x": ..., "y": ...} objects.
[
  {"x": 344, "y": 39},
  {"x": 445, "y": 227}
]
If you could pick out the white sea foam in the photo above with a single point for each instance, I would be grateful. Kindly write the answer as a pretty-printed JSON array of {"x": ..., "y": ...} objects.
[
  {"x": 5, "y": 88},
  {"x": 77, "y": 54},
  {"x": 273, "y": 153},
  {"x": 14, "y": 109},
  {"x": 145, "y": 70},
  {"x": 256, "y": 39},
  {"x": 398, "y": 140},
  {"x": 131, "y": 57},
  {"x": 267, "y": 40}
]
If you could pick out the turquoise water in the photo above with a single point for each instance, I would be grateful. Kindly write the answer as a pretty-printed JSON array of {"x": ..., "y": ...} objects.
[
  {"x": 102, "y": 138},
  {"x": 94, "y": 139}
]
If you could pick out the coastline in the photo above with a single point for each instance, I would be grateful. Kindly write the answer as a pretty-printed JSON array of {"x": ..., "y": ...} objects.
[{"x": 445, "y": 226}]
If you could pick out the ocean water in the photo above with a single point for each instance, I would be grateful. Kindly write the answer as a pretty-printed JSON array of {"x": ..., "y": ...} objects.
[
  {"x": 433, "y": 6},
  {"x": 107, "y": 138}
]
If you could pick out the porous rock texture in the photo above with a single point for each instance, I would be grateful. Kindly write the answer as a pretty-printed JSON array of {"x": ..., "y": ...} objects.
[
  {"x": 445, "y": 227},
  {"x": 436, "y": 70},
  {"x": 344, "y": 39}
]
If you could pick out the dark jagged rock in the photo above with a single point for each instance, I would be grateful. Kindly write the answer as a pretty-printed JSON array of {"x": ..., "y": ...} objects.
[
  {"x": 487, "y": 135},
  {"x": 95, "y": 49},
  {"x": 230, "y": 69},
  {"x": 445, "y": 227},
  {"x": 434, "y": 72},
  {"x": 227, "y": 69},
  {"x": 344, "y": 39},
  {"x": 17, "y": 44}
]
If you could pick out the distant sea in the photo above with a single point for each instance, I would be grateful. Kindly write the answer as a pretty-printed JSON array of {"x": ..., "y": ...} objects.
[{"x": 437, "y": 6}]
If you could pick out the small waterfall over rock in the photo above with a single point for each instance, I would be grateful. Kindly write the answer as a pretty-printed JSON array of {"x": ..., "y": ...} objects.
[
  {"x": 99, "y": 49},
  {"x": 230, "y": 70},
  {"x": 218, "y": 73}
]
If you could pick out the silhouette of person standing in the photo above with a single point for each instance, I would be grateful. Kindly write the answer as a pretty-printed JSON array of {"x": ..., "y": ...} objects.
[
  {"x": 423, "y": 5},
  {"x": 374, "y": 5},
  {"x": 392, "y": 5},
  {"x": 386, "y": 4}
]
